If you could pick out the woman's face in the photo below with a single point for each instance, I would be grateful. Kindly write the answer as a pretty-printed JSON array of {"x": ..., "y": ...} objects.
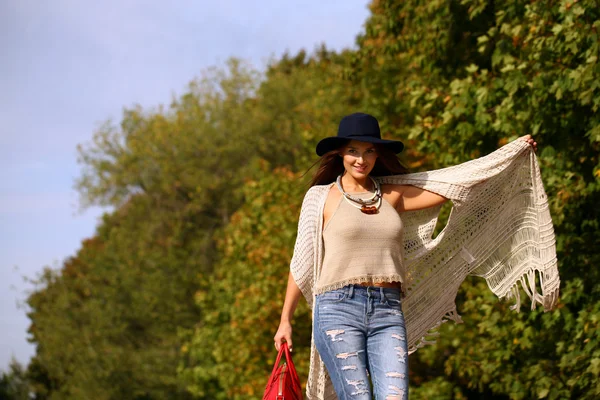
[{"x": 359, "y": 158}]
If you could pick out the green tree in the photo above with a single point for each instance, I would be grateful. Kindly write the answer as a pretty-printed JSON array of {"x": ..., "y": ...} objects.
[
  {"x": 14, "y": 384},
  {"x": 472, "y": 75},
  {"x": 230, "y": 352},
  {"x": 106, "y": 323}
]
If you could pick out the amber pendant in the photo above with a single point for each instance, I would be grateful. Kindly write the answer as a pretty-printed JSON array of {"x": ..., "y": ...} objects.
[{"x": 369, "y": 209}]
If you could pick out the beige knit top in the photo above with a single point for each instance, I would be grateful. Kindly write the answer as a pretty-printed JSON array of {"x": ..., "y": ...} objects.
[{"x": 361, "y": 247}]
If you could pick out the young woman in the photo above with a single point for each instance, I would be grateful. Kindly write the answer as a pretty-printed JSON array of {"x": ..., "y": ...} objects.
[{"x": 358, "y": 321}]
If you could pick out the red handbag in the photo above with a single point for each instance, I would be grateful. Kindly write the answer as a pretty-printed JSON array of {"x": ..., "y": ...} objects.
[{"x": 284, "y": 383}]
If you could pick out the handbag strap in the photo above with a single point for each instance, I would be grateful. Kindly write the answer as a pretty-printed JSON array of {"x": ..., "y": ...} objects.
[
  {"x": 283, "y": 349},
  {"x": 281, "y": 352},
  {"x": 291, "y": 367}
]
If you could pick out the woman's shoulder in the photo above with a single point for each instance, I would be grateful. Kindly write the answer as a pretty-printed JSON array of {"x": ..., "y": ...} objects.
[
  {"x": 315, "y": 193},
  {"x": 318, "y": 189}
]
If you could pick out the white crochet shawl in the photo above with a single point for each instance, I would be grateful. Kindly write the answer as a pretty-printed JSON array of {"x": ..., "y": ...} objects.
[{"x": 499, "y": 229}]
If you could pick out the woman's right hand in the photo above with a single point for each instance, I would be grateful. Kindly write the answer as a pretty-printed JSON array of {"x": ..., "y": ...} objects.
[
  {"x": 284, "y": 334},
  {"x": 529, "y": 140}
]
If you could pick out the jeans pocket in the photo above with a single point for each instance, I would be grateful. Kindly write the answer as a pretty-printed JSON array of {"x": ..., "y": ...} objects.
[{"x": 333, "y": 296}]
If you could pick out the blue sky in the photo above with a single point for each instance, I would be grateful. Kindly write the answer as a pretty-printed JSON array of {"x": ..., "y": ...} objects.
[{"x": 69, "y": 65}]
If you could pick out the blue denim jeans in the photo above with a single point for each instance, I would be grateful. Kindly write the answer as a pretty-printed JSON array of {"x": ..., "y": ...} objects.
[{"x": 359, "y": 332}]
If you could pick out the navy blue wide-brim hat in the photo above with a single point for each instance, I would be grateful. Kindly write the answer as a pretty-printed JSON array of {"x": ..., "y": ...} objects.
[{"x": 361, "y": 127}]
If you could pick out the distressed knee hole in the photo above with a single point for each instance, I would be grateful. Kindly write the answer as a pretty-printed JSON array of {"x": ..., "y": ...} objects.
[
  {"x": 359, "y": 387},
  {"x": 397, "y": 336},
  {"x": 401, "y": 353},
  {"x": 333, "y": 334},
  {"x": 343, "y": 356},
  {"x": 395, "y": 375},
  {"x": 397, "y": 395},
  {"x": 349, "y": 368}
]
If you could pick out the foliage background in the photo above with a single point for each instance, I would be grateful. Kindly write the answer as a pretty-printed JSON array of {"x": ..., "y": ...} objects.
[{"x": 178, "y": 294}]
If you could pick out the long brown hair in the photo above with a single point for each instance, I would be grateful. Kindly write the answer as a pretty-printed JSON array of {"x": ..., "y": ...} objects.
[{"x": 331, "y": 165}]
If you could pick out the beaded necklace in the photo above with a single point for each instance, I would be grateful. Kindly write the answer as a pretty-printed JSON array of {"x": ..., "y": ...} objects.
[{"x": 365, "y": 205}]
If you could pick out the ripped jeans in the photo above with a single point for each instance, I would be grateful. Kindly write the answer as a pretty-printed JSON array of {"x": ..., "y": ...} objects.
[{"x": 359, "y": 332}]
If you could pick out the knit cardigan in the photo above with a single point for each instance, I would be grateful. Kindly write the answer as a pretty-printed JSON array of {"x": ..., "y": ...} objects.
[{"x": 499, "y": 228}]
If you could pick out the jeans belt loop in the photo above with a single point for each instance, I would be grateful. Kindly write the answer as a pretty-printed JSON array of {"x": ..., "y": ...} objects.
[
  {"x": 382, "y": 298},
  {"x": 350, "y": 291}
]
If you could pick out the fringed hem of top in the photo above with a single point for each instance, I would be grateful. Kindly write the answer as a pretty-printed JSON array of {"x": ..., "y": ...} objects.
[
  {"x": 431, "y": 337},
  {"x": 530, "y": 281},
  {"x": 548, "y": 299}
]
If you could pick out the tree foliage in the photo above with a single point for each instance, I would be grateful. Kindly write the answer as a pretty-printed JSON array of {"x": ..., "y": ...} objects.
[
  {"x": 230, "y": 352},
  {"x": 106, "y": 324},
  {"x": 14, "y": 384},
  {"x": 477, "y": 74}
]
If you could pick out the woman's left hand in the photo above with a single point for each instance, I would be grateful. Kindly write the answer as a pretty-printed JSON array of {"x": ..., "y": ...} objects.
[{"x": 529, "y": 140}]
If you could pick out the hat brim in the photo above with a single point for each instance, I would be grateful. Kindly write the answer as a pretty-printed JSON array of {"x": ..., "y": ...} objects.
[{"x": 334, "y": 142}]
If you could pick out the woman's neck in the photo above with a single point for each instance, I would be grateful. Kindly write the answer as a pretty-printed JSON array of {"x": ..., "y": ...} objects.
[{"x": 350, "y": 184}]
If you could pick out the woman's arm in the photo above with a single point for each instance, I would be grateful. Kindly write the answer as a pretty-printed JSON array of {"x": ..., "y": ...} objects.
[
  {"x": 412, "y": 198},
  {"x": 292, "y": 296}
]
